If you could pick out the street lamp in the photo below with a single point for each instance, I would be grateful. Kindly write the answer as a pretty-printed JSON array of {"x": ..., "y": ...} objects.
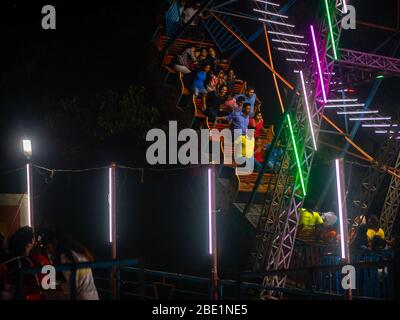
[{"x": 27, "y": 149}]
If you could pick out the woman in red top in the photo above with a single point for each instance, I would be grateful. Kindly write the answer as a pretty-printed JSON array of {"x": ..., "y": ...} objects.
[
  {"x": 257, "y": 123},
  {"x": 259, "y": 151}
]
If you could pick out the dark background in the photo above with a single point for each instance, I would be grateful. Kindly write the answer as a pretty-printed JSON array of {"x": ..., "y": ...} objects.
[{"x": 107, "y": 46}]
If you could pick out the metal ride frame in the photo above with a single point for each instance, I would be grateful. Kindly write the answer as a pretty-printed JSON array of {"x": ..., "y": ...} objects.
[
  {"x": 277, "y": 225},
  {"x": 374, "y": 178},
  {"x": 391, "y": 205}
]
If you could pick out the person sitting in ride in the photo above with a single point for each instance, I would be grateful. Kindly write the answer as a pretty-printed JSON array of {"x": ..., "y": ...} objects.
[
  {"x": 185, "y": 61},
  {"x": 202, "y": 57},
  {"x": 275, "y": 157},
  {"x": 376, "y": 235},
  {"x": 309, "y": 221},
  {"x": 360, "y": 239},
  {"x": 327, "y": 231},
  {"x": 198, "y": 86},
  {"x": 258, "y": 123}
]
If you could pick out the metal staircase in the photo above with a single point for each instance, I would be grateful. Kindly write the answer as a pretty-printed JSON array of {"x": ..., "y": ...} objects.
[{"x": 224, "y": 39}]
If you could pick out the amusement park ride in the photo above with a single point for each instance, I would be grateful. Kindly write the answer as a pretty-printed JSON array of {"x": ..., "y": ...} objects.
[{"x": 317, "y": 73}]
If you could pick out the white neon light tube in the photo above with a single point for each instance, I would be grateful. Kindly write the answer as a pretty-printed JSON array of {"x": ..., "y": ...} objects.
[
  {"x": 359, "y": 112},
  {"x": 376, "y": 125},
  {"x": 371, "y": 119},
  {"x": 277, "y": 22},
  {"x": 342, "y": 100},
  {"x": 295, "y": 60},
  {"x": 271, "y": 3},
  {"x": 28, "y": 182},
  {"x": 271, "y": 13},
  {"x": 290, "y": 42},
  {"x": 286, "y": 34},
  {"x": 110, "y": 202},
  {"x": 384, "y": 131},
  {"x": 292, "y": 50},
  {"x": 340, "y": 208},
  {"x": 345, "y": 6},
  {"x": 346, "y": 105},
  {"x": 209, "y": 214},
  {"x": 318, "y": 64}
]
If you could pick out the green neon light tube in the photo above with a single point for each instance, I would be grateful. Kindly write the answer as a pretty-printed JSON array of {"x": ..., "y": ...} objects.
[
  {"x": 296, "y": 154},
  {"x": 331, "y": 29}
]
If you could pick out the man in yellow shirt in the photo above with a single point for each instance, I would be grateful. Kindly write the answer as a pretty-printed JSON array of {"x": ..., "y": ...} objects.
[
  {"x": 375, "y": 235},
  {"x": 373, "y": 229},
  {"x": 309, "y": 220}
]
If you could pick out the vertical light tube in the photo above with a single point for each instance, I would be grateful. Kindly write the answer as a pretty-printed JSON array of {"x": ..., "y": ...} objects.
[
  {"x": 328, "y": 13},
  {"x": 340, "y": 208},
  {"x": 318, "y": 64},
  {"x": 308, "y": 110},
  {"x": 29, "y": 188},
  {"x": 110, "y": 204},
  {"x": 345, "y": 6},
  {"x": 297, "y": 155},
  {"x": 210, "y": 240}
]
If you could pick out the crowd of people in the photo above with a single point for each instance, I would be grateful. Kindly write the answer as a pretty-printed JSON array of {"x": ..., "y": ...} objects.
[
  {"x": 24, "y": 250},
  {"x": 205, "y": 76},
  {"x": 365, "y": 233}
]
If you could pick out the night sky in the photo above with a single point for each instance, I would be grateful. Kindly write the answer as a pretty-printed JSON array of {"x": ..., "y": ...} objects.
[{"x": 101, "y": 47}]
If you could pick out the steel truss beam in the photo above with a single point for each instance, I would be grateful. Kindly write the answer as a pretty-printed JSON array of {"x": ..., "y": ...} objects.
[
  {"x": 370, "y": 62},
  {"x": 374, "y": 178},
  {"x": 392, "y": 204},
  {"x": 348, "y": 76},
  {"x": 277, "y": 226}
]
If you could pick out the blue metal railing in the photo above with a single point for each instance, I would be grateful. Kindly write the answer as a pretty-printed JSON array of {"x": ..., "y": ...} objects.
[
  {"x": 114, "y": 266},
  {"x": 373, "y": 274},
  {"x": 372, "y": 270}
]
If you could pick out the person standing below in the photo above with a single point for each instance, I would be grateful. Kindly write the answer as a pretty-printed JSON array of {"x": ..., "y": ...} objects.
[
  {"x": 251, "y": 97},
  {"x": 65, "y": 250},
  {"x": 20, "y": 246}
]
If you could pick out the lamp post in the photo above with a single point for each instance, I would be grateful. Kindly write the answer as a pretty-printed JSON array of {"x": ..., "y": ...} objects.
[{"x": 27, "y": 150}]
